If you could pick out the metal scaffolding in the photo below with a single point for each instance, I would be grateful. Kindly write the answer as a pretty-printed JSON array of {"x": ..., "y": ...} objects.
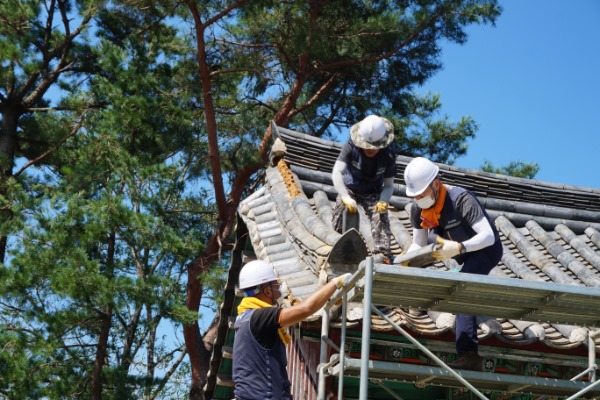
[{"x": 427, "y": 289}]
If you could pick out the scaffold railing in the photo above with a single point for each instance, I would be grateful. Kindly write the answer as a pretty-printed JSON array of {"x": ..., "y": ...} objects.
[{"x": 428, "y": 289}]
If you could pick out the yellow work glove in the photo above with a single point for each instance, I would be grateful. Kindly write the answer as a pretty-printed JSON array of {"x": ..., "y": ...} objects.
[
  {"x": 448, "y": 250},
  {"x": 405, "y": 263},
  {"x": 294, "y": 300},
  {"x": 340, "y": 281},
  {"x": 381, "y": 207},
  {"x": 350, "y": 204}
]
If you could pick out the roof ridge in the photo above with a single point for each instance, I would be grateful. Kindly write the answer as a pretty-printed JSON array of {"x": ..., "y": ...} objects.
[{"x": 319, "y": 154}]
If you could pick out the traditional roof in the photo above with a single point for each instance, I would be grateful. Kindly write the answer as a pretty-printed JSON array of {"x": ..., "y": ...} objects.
[{"x": 550, "y": 233}]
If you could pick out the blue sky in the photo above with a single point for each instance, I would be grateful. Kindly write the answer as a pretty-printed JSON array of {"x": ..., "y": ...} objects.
[{"x": 532, "y": 84}]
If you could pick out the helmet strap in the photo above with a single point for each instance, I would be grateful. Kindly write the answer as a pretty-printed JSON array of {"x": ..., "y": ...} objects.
[
  {"x": 273, "y": 299},
  {"x": 252, "y": 292}
]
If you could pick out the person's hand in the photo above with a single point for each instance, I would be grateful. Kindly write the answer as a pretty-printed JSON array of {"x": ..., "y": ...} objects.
[
  {"x": 381, "y": 207},
  {"x": 350, "y": 204},
  {"x": 404, "y": 263},
  {"x": 294, "y": 300},
  {"x": 448, "y": 250},
  {"x": 341, "y": 280}
]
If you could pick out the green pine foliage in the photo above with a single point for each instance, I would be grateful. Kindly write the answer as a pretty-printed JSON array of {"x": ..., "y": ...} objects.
[
  {"x": 104, "y": 225},
  {"x": 519, "y": 169}
]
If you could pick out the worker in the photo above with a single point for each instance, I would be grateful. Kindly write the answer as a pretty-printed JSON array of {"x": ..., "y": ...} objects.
[
  {"x": 453, "y": 217},
  {"x": 259, "y": 356},
  {"x": 363, "y": 176}
]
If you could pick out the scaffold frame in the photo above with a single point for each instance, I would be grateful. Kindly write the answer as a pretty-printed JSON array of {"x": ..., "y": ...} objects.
[{"x": 378, "y": 284}]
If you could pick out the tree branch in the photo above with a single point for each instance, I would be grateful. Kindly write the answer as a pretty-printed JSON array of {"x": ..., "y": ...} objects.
[{"x": 53, "y": 148}]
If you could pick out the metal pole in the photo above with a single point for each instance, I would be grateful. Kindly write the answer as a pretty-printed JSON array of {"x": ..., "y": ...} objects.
[
  {"x": 366, "y": 331},
  {"x": 323, "y": 353},
  {"x": 325, "y": 318},
  {"x": 343, "y": 346},
  {"x": 591, "y": 369},
  {"x": 429, "y": 353},
  {"x": 387, "y": 389},
  {"x": 325, "y": 370},
  {"x": 587, "y": 389},
  {"x": 592, "y": 356},
  {"x": 348, "y": 284}
]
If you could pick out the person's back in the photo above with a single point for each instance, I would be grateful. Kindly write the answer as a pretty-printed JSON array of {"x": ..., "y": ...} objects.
[
  {"x": 259, "y": 372},
  {"x": 259, "y": 357}
]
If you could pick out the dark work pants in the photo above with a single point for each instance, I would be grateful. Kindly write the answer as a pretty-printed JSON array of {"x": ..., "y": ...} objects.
[{"x": 479, "y": 262}]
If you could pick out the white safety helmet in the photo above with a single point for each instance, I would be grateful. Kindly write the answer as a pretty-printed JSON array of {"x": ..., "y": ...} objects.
[
  {"x": 418, "y": 175},
  {"x": 256, "y": 273}
]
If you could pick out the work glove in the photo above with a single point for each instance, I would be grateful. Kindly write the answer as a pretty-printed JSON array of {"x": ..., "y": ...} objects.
[
  {"x": 381, "y": 207},
  {"x": 350, "y": 204},
  {"x": 404, "y": 263},
  {"x": 340, "y": 281},
  {"x": 448, "y": 250},
  {"x": 294, "y": 300}
]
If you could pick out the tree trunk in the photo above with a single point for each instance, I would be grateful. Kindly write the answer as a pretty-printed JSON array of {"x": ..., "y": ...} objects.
[
  {"x": 199, "y": 357},
  {"x": 105, "y": 326},
  {"x": 101, "y": 354},
  {"x": 8, "y": 145}
]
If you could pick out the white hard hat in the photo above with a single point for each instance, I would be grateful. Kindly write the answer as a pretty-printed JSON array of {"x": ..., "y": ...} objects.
[
  {"x": 256, "y": 273},
  {"x": 419, "y": 173}
]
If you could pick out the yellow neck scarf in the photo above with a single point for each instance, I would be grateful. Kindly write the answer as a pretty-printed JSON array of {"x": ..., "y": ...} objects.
[
  {"x": 430, "y": 217},
  {"x": 253, "y": 302}
]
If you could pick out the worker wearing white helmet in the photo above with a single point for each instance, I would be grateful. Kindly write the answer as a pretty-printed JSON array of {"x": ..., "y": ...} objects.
[
  {"x": 259, "y": 356},
  {"x": 363, "y": 176},
  {"x": 453, "y": 217}
]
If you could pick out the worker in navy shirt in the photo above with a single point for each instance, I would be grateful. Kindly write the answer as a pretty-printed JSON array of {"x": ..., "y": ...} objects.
[
  {"x": 259, "y": 357},
  {"x": 363, "y": 176},
  {"x": 453, "y": 217}
]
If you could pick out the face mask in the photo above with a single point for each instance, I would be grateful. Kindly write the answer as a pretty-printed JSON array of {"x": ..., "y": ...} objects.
[
  {"x": 283, "y": 292},
  {"x": 279, "y": 300},
  {"x": 282, "y": 289},
  {"x": 426, "y": 202}
]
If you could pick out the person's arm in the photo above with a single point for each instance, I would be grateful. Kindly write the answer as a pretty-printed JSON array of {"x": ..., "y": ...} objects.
[
  {"x": 473, "y": 214},
  {"x": 340, "y": 187},
  {"x": 385, "y": 196},
  {"x": 298, "y": 313},
  {"x": 388, "y": 184},
  {"x": 484, "y": 236},
  {"x": 419, "y": 239},
  {"x": 388, "y": 189},
  {"x": 338, "y": 179}
]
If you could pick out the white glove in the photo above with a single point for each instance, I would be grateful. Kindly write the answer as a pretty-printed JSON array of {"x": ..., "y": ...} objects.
[
  {"x": 350, "y": 204},
  {"x": 448, "y": 250},
  {"x": 381, "y": 207},
  {"x": 405, "y": 263},
  {"x": 340, "y": 281}
]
